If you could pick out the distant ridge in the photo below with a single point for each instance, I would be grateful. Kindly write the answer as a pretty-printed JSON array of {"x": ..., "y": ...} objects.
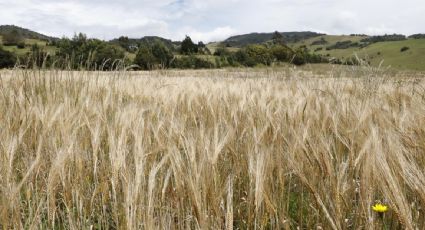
[
  {"x": 258, "y": 38},
  {"x": 125, "y": 41},
  {"x": 25, "y": 33}
]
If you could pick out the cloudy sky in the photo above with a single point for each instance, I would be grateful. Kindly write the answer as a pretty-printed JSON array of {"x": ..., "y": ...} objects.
[{"x": 211, "y": 20}]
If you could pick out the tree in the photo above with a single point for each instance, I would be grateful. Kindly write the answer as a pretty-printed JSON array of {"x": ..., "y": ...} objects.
[
  {"x": 124, "y": 42},
  {"x": 123, "y": 39},
  {"x": 242, "y": 57},
  {"x": 281, "y": 53},
  {"x": 7, "y": 59},
  {"x": 201, "y": 44},
  {"x": 153, "y": 56},
  {"x": 105, "y": 56},
  {"x": 79, "y": 39},
  {"x": 162, "y": 54},
  {"x": 259, "y": 53},
  {"x": 278, "y": 38},
  {"x": 81, "y": 52},
  {"x": 188, "y": 47},
  {"x": 144, "y": 58},
  {"x": 203, "y": 49},
  {"x": 127, "y": 44}
]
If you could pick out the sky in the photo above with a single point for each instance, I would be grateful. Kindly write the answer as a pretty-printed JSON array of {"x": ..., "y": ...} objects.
[{"x": 212, "y": 20}]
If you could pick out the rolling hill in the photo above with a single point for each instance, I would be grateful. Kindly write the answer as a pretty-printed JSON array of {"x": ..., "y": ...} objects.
[
  {"x": 258, "y": 38},
  {"x": 388, "y": 52},
  {"x": 25, "y": 33},
  {"x": 27, "y": 48},
  {"x": 341, "y": 47},
  {"x": 128, "y": 43}
]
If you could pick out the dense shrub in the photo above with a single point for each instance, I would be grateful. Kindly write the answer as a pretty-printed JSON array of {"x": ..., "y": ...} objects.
[
  {"x": 191, "y": 62},
  {"x": 156, "y": 56},
  {"x": 127, "y": 44},
  {"x": 321, "y": 41},
  {"x": 358, "y": 35},
  {"x": 106, "y": 56},
  {"x": 259, "y": 54},
  {"x": 221, "y": 51},
  {"x": 404, "y": 48},
  {"x": 224, "y": 58},
  {"x": 298, "y": 59},
  {"x": 188, "y": 47},
  {"x": 7, "y": 59},
  {"x": 81, "y": 52},
  {"x": 343, "y": 45},
  {"x": 384, "y": 38},
  {"x": 278, "y": 39},
  {"x": 281, "y": 53},
  {"x": 225, "y": 61},
  {"x": 21, "y": 45},
  {"x": 242, "y": 57}
]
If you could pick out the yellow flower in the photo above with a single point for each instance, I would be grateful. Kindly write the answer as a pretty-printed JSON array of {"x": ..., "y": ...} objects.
[{"x": 380, "y": 208}]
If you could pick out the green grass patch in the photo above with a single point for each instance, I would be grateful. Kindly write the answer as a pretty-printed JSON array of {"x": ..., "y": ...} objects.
[{"x": 387, "y": 52}]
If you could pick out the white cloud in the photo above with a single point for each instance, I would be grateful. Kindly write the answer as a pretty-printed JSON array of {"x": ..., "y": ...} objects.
[
  {"x": 217, "y": 34},
  {"x": 210, "y": 20}
]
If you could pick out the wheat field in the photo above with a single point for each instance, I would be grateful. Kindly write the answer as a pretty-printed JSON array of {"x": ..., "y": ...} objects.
[{"x": 212, "y": 149}]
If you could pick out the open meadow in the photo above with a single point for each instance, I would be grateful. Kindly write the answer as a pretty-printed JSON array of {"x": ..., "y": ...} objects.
[{"x": 270, "y": 148}]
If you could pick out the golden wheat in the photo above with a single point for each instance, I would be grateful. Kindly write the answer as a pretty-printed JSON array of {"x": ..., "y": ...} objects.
[{"x": 218, "y": 149}]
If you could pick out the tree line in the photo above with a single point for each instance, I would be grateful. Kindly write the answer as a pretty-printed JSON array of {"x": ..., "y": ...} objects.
[{"x": 80, "y": 52}]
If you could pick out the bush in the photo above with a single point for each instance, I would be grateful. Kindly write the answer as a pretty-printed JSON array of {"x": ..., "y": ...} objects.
[
  {"x": 153, "y": 56},
  {"x": 244, "y": 59},
  {"x": 221, "y": 52},
  {"x": 343, "y": 45},
  {"x": 258, "y": 54},
  {"x": 384, "y": 38},
  {"x": 188, "y": 47},
  {"x": 321, "y": 41},
  {"x": 404, "y": 48},
  {"x": 144, "y": 58},
  {"x": 105, "y": 56},
  {"x": 81, "y": 52},
  {"x": 7, "y": 59},
  {"x": 298, "y": 59},
  {"x": 191, "y": 62},
  {"x": 21, "y": 45},
  {"x": 281, "y": 53}
]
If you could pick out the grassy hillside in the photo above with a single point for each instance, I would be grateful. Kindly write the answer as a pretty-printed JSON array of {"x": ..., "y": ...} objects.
[
  {"x": 213, "y": 46},
  {"x": 388, "y": 52},
  {"x": 258, "y": 38},
  {"x": 28, "y": 43},
  {"x": 331, "y": 39},
  {"x": 26, "y": 33}
]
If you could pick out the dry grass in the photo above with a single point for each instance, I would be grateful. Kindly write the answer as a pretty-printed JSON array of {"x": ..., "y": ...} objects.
[{"x": 238, "y": 149}]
